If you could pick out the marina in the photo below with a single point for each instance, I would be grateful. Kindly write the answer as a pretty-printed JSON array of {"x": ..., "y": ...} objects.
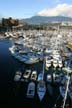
[
  {"x": 35, "y": 54},
  {"x": 36, "y": 70}
]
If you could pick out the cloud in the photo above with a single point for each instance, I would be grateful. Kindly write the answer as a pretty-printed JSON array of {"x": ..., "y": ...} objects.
[{"x": 59, "y": 10}]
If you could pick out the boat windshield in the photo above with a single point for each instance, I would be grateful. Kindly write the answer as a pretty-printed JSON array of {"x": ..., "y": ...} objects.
[
  {"x": 26, "y": 73},
  {"x": 30, "y": 91}
]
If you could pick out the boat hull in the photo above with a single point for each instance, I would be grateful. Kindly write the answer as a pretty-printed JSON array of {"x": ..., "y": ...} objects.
[{"x": 41, "y": 90}]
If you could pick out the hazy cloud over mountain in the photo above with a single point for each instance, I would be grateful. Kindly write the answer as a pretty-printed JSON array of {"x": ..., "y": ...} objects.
[{"x": 59, "y": 10}]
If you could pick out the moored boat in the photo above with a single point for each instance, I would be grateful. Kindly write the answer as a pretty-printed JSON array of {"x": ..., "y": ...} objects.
[
  {"x": 34, "y": 75},
  {"x": 48, "y": 63},
  {"x": 41, "y": 89},
  {"x": 55, "y": 63},
  {"x": 27, "y": 74},
  {"x": 31, "y": 90},
  {"x": 17, "y": 76},
  {"x": 40, "y": 77},
  {"x": 60, "y": 64},
  {"x": 49, "y": 78}
]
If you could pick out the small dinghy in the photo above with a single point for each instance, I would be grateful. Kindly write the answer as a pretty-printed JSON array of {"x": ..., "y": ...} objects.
[
  {"x": 31, "y": 90},
  {"x": 17, "y": 76},
  {"x": 41, "y": 89}
]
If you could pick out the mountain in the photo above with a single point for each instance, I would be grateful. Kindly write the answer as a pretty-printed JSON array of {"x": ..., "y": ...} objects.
[{"x": 45, "y": 19}]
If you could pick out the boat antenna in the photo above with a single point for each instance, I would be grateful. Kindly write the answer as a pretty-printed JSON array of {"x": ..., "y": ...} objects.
[{"x": 67, "y": 86}]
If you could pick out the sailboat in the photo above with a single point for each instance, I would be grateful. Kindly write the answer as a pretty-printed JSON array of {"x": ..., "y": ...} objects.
[
  {"x": 64, "y": 90},
  {"x": 41, "y": 87},
  {"x": 70, "y": 88}
]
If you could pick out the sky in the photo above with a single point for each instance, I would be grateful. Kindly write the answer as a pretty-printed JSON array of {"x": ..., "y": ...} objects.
[{"x": 29, "y": 8}]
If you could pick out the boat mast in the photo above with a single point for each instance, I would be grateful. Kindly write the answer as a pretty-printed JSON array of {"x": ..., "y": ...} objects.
[
  {"x": 43, "y": 63},
  {"x": 65, "y": 97},
  {"x": 43, "y": 58}
]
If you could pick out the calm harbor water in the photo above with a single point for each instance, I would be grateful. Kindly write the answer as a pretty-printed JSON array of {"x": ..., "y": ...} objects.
[{"x": 12, "y": 93}]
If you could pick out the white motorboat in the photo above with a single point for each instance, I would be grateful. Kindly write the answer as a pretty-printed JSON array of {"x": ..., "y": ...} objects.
[
  {"x": 41, "y": 89},
  {"x": 48, "y": 51},
  {"x": 7, "y": 34},
  {"x": 26, "y": 74},
  {"x": 48, "y": 63},
  {"x": 40, "y": 55},
  {"x": 11, "y": 49},
  {"x": 31, "y": 60},
  {"x": 17, "y": 76},
  {"x": 24, "y": 55},
  {"x": 60, "y": 63},
  {"x": 13, "y": 52},
  {"x": 31, "y": 90},
  {"x": 57, "y": 56},
  {"x": 49, "y": 78},
  {"x": 55, "y": 64},
  {"x": 22, "y": 58},
  {"x": 34, "y": 75}
]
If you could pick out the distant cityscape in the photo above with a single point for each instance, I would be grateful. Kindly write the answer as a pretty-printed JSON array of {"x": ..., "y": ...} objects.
[{"x": 36, "y": 22}]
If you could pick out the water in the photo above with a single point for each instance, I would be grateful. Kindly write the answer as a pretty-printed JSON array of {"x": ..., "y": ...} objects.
[{"x": 14, "y": 94}]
